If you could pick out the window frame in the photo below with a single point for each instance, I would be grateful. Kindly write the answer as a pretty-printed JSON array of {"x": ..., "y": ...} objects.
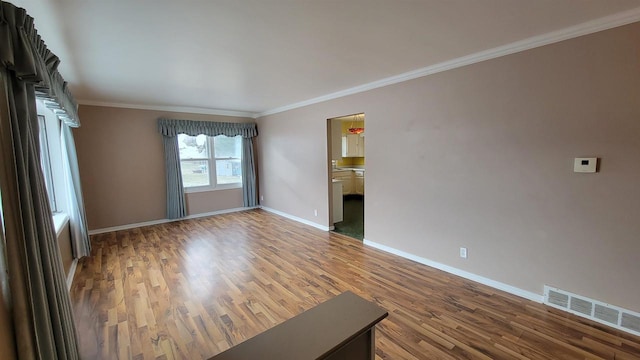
[
  {"x": 213, "y": 176},
  {"x": 45, "y": 163}
]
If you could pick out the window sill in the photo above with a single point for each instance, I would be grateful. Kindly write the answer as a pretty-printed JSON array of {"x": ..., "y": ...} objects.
[
  {"x": 60, "y": 220},
  {"x": 208, "y": 189}
]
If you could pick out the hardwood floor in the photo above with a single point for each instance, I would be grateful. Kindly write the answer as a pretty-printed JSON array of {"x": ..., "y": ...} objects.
[{"x": 191, "y": 289}]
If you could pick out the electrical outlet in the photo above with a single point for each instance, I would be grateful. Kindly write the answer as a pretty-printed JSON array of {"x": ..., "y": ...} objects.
[
  {"x": 261, "y": 197},
  {"x": 463, "y": 252},
  {"x": 315, "y": 212}
]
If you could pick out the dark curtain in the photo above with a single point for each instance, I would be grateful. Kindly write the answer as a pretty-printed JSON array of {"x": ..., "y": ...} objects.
[
  {"x": 173, "y": 127},
  {"x": 249, "y": 185},
  {"x": 80, "y": 241},
  {"x": 176, "y": 204},
  {"x": 40, "y": 304}
]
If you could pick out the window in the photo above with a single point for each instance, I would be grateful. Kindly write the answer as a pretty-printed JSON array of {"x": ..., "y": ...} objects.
[
  {"x": 45, "y": 162},
  {"x": 52, "y": 164},
  {"x": 210, "y": 162}
]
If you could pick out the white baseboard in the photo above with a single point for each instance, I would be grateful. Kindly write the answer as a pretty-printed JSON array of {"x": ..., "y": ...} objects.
[
  {"x": 467, "y": 275},
  {"x": 455, "y": 271},
  {"x": 130, "y": 226},
  {"x": 295, "y": 218},
  {"x": 72, "y": 273},
  {"x": 162, "y": 221}
]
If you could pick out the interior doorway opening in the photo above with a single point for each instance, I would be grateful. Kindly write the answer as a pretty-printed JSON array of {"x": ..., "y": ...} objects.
[{"x": 347, "y": 167}]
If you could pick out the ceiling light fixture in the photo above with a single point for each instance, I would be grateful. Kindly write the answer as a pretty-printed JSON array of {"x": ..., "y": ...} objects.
[{"x": 356, "y": 130}]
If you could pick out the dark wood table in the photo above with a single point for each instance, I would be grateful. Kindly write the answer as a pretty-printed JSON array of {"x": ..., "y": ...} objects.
[{"x": 340, "y": 328}]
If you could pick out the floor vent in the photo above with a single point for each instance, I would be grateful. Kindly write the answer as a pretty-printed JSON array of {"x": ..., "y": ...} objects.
[{"x": 595, "y": 310}]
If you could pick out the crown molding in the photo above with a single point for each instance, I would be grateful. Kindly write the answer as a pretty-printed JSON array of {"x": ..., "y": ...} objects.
[
  {"x": 182, "y": 109},
  {"x": 589, "y": 27}
]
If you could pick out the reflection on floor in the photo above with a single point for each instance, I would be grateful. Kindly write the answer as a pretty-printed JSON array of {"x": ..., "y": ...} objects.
[{"x": 353, "y": 223}]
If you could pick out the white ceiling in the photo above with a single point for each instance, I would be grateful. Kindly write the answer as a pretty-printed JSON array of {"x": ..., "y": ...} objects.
[{"x": 258, "y": 56}]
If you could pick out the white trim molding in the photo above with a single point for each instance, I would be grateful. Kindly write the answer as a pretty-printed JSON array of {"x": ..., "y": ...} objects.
[
  {"x": 455, "y": 271},
  {"x": 163, "y": 221},
  {"x": 589, "y": 27},
  {"x": 295, "y": 218},
  {"x": 60, "y": 221},
  {"x": 181, "y": 109},
  {"x": 72, "y": 273}
]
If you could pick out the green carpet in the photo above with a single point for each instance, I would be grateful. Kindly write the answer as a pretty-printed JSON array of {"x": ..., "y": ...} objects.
[{"x": 353, "y": 223}]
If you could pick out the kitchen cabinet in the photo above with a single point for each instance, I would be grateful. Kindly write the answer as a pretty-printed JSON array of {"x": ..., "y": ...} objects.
[
  {"x": 347, "y": 187},
  {"x": 352, "y": 145},
  {"x": 346, "y": 176},
  {"x": 360, "y": 147},
  {"x": 352, "y": 181},
  {"x": 358, "y": 181}
]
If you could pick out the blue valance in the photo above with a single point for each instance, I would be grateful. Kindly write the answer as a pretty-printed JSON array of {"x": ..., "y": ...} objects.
[
  {"x": 24, "y": 53},
  {"x": 173, "y": 127}
]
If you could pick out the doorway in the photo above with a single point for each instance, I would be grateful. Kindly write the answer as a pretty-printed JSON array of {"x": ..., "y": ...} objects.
[{"x": 347, "y": 168}]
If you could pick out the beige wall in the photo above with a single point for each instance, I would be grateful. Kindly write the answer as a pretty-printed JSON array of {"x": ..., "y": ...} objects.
[
  {"x": 121, "y": 160},
  {"x": 203, "y": 202},
  {"x": 482, "y": 157}
]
